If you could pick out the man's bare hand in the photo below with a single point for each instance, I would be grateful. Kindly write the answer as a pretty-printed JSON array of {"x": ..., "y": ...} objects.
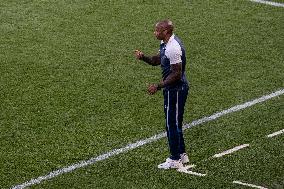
[
  {"x": 139, "y": 54},
  {"x": 152, "y": 89}
]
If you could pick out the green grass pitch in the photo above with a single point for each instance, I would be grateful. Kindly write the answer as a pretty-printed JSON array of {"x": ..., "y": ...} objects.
[{"x": 71, "y": 89}]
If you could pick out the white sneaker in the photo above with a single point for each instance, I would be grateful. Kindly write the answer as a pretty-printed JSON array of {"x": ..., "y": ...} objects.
[
  {"x": 171, "y": 164},
  {"x": 184, "y": 158}
]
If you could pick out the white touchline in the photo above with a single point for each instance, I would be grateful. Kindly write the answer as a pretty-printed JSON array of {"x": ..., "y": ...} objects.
[
  {"x": 188, "y": 166},
  {"x": 185, "y": 170},
  {"x": 234, "y": 109},
  {"x": 192, "y": 173},
  {"x": 143, "y": 142},
  {"x": 250, "y": 185},
  {"x": 276, "y": 133},
  {"x": 269, "y": 3},
  {"x": 230, "y": 150}
]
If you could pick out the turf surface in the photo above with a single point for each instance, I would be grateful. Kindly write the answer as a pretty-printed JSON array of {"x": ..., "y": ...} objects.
[{"x": 71, "y": 89}]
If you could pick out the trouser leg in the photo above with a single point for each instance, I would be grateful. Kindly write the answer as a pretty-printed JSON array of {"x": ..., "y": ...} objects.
[
  {"x": 174, "y": 102},
  {"x": 182, "y": 96}
]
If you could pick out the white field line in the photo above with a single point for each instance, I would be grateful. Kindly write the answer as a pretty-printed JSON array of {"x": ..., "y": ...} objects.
[
  {"x": 269, "y": 3},
  {"x": 143, "y": 142},
  {"x": 234, "y": 109},
  {"x": 231, "y": 150},
  {"x": 189, "y": 166},
  {"x": 191, "y": 172},
  {"x": 250, "y": 185},
  {"x": 185, "y": 170},
  {"x": 276, "y": 133}
]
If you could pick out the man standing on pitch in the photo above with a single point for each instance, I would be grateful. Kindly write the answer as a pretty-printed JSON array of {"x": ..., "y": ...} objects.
[{"x": 175, "y": 87}]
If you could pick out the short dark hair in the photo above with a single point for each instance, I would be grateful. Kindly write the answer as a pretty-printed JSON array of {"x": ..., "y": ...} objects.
[{"x": 167, "y": 25}]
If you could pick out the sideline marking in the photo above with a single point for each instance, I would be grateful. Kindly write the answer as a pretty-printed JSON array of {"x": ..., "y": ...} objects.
[
  {"x": 191, "y": 172},
  {"x": 189, "y": 166},
  {"x": 250, "y": 185},
  {"x": 234, "y": 109},
  {"x": 143, "y": 142},
  {"x": 231, "y": 150},
  {"x": 276, "y": 133},
  {"x": 269, "y": 3},
  {"x": 185, "y": 170}
]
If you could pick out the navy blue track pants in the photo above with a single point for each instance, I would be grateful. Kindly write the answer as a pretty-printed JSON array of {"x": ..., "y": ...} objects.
[{"x": 174, "y": 102}]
